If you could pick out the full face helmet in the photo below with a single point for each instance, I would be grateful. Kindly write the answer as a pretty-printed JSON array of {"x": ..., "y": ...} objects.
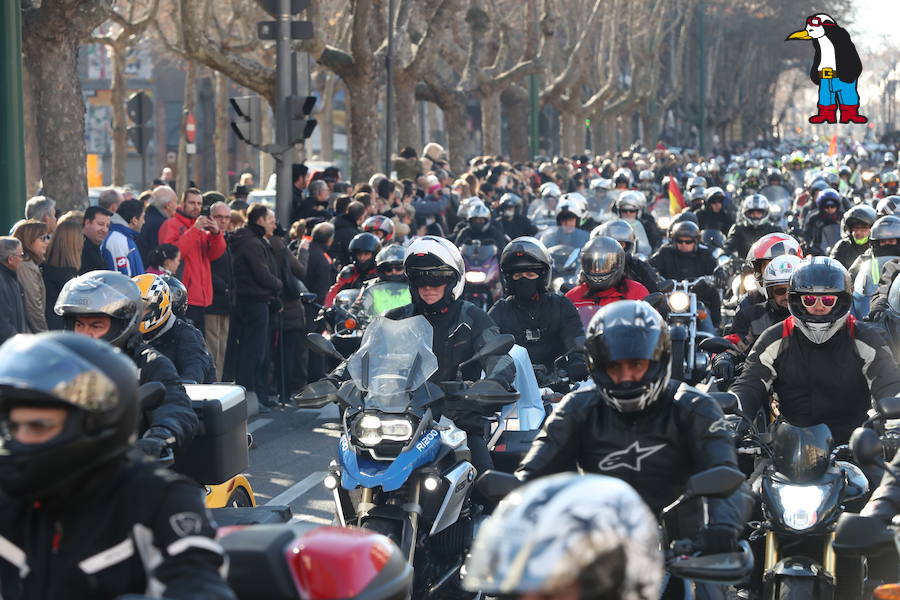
[
  {"x": 749, "y": 207},
  {"x": 888, "y": 206},
  {"x": 380, "y": 226},
  {"x": 823, "y": 277},
  {"x": 768, "y": 247},
  {"x": 179, "y": 294},
  {"x": 884, "y": 230},
  {"x": 157, "y": 299},
  {"x": 526, "y": 255},
  {"x": 103, "y": 294},
  {"x": 479, "y": 216},
  {"x": 602, "y": 263},
  {"x": 619, "y": 230},
  {"x": 364, "y": 242},
  {"x": 510, "y": 205}
]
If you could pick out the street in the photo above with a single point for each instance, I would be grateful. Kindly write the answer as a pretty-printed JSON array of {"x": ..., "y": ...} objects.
[{"x": 292, "y": 449}]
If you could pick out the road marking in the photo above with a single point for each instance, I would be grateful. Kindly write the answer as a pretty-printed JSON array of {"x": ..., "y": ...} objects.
[
  {"x": 297, "y": 490},
  {"x": 257, "y": 424}
]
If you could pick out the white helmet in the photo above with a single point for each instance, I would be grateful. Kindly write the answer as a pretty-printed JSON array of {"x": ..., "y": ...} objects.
[
  {"x": 623, "y": 172},
  {"x": 780, "y": 269},
  {"x": 631, "y": 199},
  {"x": 590, "y": 530},
  {"x": 462, "y": 213},
  {"x": 550, "y": 189},
  {"x": 432, "y": 257},
  {"x": 573, "y": 203},
  {"x": 601, "y": 184},
  {"x": 646, "y": 175},
  {"x": 755, "y": 202}
]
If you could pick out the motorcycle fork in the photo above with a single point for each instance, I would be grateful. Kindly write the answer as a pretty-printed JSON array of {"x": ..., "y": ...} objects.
[
  {"x": 414, "y": 509},
  {"x": 772, "y": 551},
  {"x": 828, "y": 557}
]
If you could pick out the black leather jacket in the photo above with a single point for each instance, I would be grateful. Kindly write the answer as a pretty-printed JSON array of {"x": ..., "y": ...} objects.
[
  {"x": 185, "y": 346},
  {"x": 741, "y": 237},
  {"x": 846, "y": 251},
  {"x": 655, "y": 451}
]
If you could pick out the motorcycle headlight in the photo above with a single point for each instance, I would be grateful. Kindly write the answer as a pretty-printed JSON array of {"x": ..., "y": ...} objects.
[
  {"x": 679, "y": 301},
  {"x": 800, "y": 504},
  {"x": 749, "y": 282},
  {"x": 723, "y": 259},
  {"x": 371, "y": 429},
  {"x": 476, "y": 277}
]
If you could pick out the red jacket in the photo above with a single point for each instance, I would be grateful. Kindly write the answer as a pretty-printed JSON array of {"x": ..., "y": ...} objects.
[
  {"x": 198, "y": 249},
  {"x": 581, "y": 295},
  {"x": 348, "y": 278}
]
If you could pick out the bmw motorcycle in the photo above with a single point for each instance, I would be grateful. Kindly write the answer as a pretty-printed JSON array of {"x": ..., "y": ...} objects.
[{"x": 402, "y": 470}]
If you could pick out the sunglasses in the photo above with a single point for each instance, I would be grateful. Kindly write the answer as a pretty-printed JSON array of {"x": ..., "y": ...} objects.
[
  {"x": 685, "y": 242},
  {"x": 816, "y": 22},
  {"x": 628, "y": 211},
  {"x": 778, "y": 290},
  {"x": 393, "y": 270},
  {"x": 809, "y": 300}
]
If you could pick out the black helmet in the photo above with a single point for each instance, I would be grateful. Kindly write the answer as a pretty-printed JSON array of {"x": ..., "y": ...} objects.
[
  {"x": 859, "y": 215},
  {"x": 885, "y": 228},
  {"x": 364, "y": 242},
  {"x": 818, "y": 276},
  {"x": 602, "y": 263},
  {"x": 685, "y": 229},
  {"x": 103, "y": 294},
  {"x": 817, "y": 186},
  {"x": 178, "y": 293},
  {"x": 619, "y": 230},
  {"x": 526, "y": 254},
  {"x": 480, "y": 211},
  {"x": 391, "y": 257},
  {"x": 712, "y": 238},
  {"x": 90, "y": 378},
  {"x": 629, "y": 329}
]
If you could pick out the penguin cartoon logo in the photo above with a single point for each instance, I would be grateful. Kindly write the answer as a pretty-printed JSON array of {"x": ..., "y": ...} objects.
[{"x": 835, "y": 69}]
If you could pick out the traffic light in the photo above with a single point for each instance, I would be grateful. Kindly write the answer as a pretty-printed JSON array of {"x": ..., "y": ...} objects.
[
  {"x": 249, "y": 115},
  {"x": 140, "y": 110},
  {"x": 299, "y": 126}
]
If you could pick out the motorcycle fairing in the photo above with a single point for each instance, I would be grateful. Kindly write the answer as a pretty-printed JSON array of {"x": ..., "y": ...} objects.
[{"x": 358, "y": 470}]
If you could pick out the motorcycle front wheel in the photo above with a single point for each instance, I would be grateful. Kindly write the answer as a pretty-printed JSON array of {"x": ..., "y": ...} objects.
[{"x": 797, "y": 588}]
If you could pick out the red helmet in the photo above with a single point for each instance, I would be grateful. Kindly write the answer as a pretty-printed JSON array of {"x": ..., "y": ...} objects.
[
  {"x": 768, "y": 247},
  {"x": 379, "y": 224}
]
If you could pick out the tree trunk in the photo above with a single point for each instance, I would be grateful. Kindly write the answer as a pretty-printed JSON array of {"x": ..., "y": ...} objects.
[
  {"x": 455, "y": 119},
  {"x": 326, "y": 119},
  {"x": 515, "y": 107},
  {"x": 59, "y": 117},
  {"x": 568, "y": 125},
  {"x": 406, "y": 112},
  {"x": 182, "y": 176},
  {"x": 362, "y": 128},
  {"x": 119, "y": 124},
  {"x": 32, "y": 145},
  {"x": 221, "y": 131},
  {"x": 491, "y": 124}
]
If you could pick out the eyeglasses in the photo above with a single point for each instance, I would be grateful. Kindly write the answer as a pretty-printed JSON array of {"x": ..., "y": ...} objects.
[
  {"x": 809, "y": 300},
  {"x": 687, "y": 242},
  {"x": 778, "y": 290},
  {"x": 36, "y": 427}
]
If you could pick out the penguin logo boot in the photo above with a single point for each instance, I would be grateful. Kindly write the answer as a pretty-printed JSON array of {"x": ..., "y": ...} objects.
[
  {"x": 849, "y": 114},
  {"x": 827, "y": 114}
]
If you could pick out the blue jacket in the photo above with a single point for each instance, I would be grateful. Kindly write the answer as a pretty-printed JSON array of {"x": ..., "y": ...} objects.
[{"x": 120, "y": 250}]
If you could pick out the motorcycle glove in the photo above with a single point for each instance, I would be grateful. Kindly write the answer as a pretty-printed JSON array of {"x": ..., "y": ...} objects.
[
  {"x": 723, "y": 366},
  {"x": 155, "y": 441},
  {"x": 717, "y": 539}
]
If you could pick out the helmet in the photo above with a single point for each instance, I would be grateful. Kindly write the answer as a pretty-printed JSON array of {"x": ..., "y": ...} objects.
[
  {"x": 432, "y": 260},
  {"x": 712, "y": 238},
  {"x": 390, "y": 257},
  {"x": 510, "y": 200},
  {"x": 157, "y": 303},
  {"x": 820, "y": 275},
  {"x": 752, "y": 173},
  {"x": 817, "y": 186},
  {"x": 773, "y": 174},
  {"x": 845, "y": 170},
  {"x": 696, "y": 182},
  {"x": 364, "y": 242},
  {"x": 98, "y": 386},
  {"x": 889, "y": 180},
  {"x": 623, "y": 175},
  {"x": 832, "y": 179},
  {"x": 462, "y": 213},
  {"x": 646, "y": 175},
  {"x": 526, "y": 254},
  {"x": 381, "y": 223},
  {"x": 478, "y": 210},
  {"x": 768, "y": 247},
  {"x": 549, "y": 189},
  {"x": 755, "y": 202},
  {"x": 861, "y": 214},
  {"x": 683, "y": 229},
  {"x": 179, "y": 294},
  {"x": 574, "y": 204},
  {"x": 629, "y": 329},
  {"x": 889, "y": 157},
  {"x": 602, "y": 263},
  {"x": 632, "y": 200},
  {"x": 828, "y": 197},
  {"x": 696, "y": 195},
  {"x": 686, "y": 216},
  {"x": 894, "y": 296},
  {"x": 780, "y": 269},
  {"x": 885, "y": 228},
  {"x": 565, "y": 529},
  {"x": 888, "y": 206},
  {"x": 103, "y": 294},
  {"x": 714, "y": 192},
  {"x": 619, "y": 230}
]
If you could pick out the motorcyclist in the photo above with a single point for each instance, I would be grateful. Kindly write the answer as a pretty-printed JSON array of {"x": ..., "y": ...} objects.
[
  {"x": 639, "y": 425},
  {"x": 713, "y": 215},
  {"x": 752, "y": 225},
  {"x": 176, "y": 338},
  {"x": 684, "y": 258},
  {"x": 602, "y": 279},
  {"x": 636, "y": 268},
  {"x": 436, "y": 275},
  {"x": 856, "y": 226},
  {"x": 761, "y": 253},
  {"x": 481, "y": 228},
  {"x": 888, "y": 206},
  {"x": 524, "y": 551},
  {"x": 363, "y": 248},
  {"x": 629, "y": 206},
  {"x": 544, "y": 323},
  {"x": 568, "y": 218},
  {"x": 695, "y": 198},
  {"x": 884, "y": 240},
  {"x": 829, "y": 213},
  {"x": 795, "y": 359},
  {"x": 79, "y": 518},
  {"x": 381, "y": 227},
  {"x": 888, "y": 186},
  {"x": 107, "y": 305},
  {"x": 512, "y": 221}
]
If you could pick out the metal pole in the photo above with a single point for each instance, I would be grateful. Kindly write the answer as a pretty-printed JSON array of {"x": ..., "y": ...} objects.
[
  {"x": 702, "y": 125},
  {"x": 283, "y": 87},
  {"x": 12, "y": 132},
  {"x": 389, "y": 95},
  {"x": 534, "y": 124}
]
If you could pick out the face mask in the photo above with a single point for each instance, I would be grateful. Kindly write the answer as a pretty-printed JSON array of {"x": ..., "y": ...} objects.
[
  {"x": 861, "y": 241},
  {"x": 525, "y": 288}
]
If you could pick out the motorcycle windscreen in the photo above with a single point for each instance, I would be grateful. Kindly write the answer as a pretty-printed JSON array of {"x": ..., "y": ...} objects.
[
  {"x": 478, "y": 254},
  {"x": 394, "y": 358},
  {"x": 802, "y": 454},
  {"x": 565, "y": 258},
  {"x": 562, "y": 236}
]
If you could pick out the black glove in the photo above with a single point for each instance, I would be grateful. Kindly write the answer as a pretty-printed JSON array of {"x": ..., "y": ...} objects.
[
  {"x": 155, "y": 442},
  {"x": 723, "y": 366},
  {"x": 577, "y": 371},
  {"x": 717, "y": 539}
]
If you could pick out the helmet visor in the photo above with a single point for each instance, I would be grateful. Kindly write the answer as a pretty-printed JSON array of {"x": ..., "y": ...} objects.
[
  {"x": 56, "y": 373},
  {"x": 91, "y": 296}
]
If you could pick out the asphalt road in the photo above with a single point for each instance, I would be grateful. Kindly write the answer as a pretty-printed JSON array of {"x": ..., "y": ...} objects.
[{"x": 291, "y": 452}]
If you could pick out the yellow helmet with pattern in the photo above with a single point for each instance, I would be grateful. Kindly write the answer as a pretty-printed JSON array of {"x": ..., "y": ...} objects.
[{"x": 157, "y": 302}]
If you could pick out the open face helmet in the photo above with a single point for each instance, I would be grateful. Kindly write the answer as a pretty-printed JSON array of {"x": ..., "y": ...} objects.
[
  {"x": 364, "y": 242},
  {"x": 860, "y": 215},
  {"x": 434, "y": 261},
  {"x": 389, "y": 263}
]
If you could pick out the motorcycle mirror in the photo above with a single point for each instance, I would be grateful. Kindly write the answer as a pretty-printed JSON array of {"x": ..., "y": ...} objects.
[
  {"x": 316, "y": 394},
  {"x": 889, "y": 407},
  {"x": 308, "y": 297},
  {"x": 495, "y": 485},
  {"x": 150, "y": 395},
  {"x": 728, "y": 401},
  {"x": 866, "y": 447},
  {"x": 717, "y": 345},
  {"x": 718, "y": 482},
  {"x": 657, "y": 300},
  {"x": 666, "y": 285},
  {"x": 323, "y": 345}
]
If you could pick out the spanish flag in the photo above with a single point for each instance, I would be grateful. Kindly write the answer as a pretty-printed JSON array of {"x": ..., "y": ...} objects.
[
  {"x": 832, "y": 147},
  {"x": 676, "y": 200}
]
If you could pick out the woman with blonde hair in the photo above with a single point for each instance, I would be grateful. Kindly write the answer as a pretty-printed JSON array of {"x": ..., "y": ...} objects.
[
  {"x": 35, "y": 239},
  {"x": 63, "y": 263}
]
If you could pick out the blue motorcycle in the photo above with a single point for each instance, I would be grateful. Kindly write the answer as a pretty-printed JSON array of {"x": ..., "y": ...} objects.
[{"x": 403, "y": 469}]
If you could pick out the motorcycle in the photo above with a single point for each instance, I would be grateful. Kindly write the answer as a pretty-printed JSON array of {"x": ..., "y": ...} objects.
[
  {"x": 401, "y": 470},
  {"x": 542, "y": 212},
  {"x": 686, "y": 315},
  {"x": 483, "y": 286},
  {"x": 564, "y": 274}
]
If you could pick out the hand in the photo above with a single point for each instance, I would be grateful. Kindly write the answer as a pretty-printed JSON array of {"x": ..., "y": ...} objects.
[
  {"x": 717, "y": 539},
  {"x": 723, "y": 367},
  {"x": 212, "y": 227},
  {"x": 577, "y": 371},
  {"x": 152, "y": 446},
  {"x": 202, "y": 223}
]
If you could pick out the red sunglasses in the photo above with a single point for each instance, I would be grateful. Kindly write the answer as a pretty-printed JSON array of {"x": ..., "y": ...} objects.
[
  {"x": 816, "y": 22},
  {"x": 809, "y": 301}
]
